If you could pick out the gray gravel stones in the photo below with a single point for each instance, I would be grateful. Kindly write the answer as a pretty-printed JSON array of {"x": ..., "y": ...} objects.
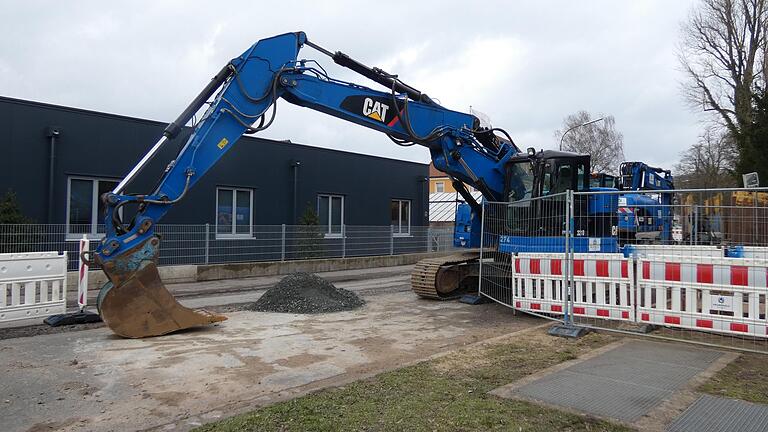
[{"x": 305, "y": 293}]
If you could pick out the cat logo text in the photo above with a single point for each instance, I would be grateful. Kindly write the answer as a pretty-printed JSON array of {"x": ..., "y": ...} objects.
[{"x": 375, "y": 109}]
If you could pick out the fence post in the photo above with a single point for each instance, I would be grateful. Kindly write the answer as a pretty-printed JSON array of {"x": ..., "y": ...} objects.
[
  {"x": 82, "y": 274},
  {"x": 566, "y": 291},
  {"x": 207, "y": 240},
  {"x": 754, "y": 221},
  {"x": 282, "y": 244},
  {"x": 343, "y": 240},
  {"x": 391, "y": 239},
  {"x": 482, "y": 235},
  {"x": 571, "y": 257},
  {"x": 428, "y": 240},
  {"x": 695, "y": 225}
]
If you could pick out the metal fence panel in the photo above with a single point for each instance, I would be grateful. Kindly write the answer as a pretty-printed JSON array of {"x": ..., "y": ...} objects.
[
  {"x": 200, "y": 244},
  {"x": 699, "y": 259},
  {"x": 509, "y": 232},
  {"x": 691, "y": 262}
]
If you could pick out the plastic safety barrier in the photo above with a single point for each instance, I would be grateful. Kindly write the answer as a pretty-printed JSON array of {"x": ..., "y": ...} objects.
[
  {"x": 32, "y": 285},
  {"x": 639, "y": 250},
  {"x": 724, "y": 295},
  {"x": 537, "y": 282},
  {"x": 754, "y": 252},
  {"x": 603, "y": 287}
]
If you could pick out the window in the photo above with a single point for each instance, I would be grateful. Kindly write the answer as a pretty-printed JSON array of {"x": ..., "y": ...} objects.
[
  {"x": 581, "y": 181},
  {"x": 439, "y": 186},
  {"x": 330, "y": 210},
  {"x": 519, "y": 181},
  {"x": 401, "y": 217},
  {"x": 234, "y": 210},
  {"x": 84, "y": 207},
  {"x": 563, "y": 179}
]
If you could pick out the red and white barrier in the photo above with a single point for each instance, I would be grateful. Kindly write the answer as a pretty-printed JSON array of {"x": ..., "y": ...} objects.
[
  {"x": 603, "y": 287},
  {"x": 82, "y": 274},
  {"x": 705, "y": 293},
  {"x": 538, "y": 281},
  {"x": 32, "y": 285},
  {"x": 724, "y": 295}
]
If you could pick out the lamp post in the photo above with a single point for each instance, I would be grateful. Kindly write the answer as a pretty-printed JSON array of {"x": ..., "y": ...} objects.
[{"x": 576, "y": 127}]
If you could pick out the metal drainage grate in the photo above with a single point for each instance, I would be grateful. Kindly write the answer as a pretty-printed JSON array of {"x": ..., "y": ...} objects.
[
  {"x": 624, "y": 383},
  {"x": 710, "y": 413}
]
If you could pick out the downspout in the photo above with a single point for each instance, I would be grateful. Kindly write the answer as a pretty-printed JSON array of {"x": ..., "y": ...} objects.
[
  {"x": 295, "y": 165},
  {"x": 424, "y": 206},
  {"x": 52, "y": 134}
]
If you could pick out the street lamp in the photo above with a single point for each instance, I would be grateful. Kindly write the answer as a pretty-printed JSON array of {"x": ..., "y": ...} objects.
[{"x": 576, "y": 127}]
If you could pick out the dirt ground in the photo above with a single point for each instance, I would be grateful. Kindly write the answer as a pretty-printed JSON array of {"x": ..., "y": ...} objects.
[
  {"x": 92, "y": 380},
  {"x": 448, "y": 393}
]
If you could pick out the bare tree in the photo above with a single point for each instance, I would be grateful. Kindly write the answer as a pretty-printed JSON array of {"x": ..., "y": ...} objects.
[
  {"x": 723, "y": 54},
  {"x": 600, "y": 140},
  {"x": 709, "y": 163}
]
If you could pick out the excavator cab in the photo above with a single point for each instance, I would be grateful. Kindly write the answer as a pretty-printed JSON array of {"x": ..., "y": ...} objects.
[{"x": 536, "y": 184}]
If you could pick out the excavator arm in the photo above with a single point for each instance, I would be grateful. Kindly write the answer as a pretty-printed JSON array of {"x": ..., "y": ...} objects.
[{"x": 135, "y": 303}]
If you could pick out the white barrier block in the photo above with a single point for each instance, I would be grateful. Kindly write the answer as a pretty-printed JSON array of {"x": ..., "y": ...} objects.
[{"x": 35, "y": 272}]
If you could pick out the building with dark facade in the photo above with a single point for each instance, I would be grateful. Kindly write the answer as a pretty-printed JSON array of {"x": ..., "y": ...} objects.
[
  {"x": 259, "y": 182},
  {"x": 58, "y": 160}
]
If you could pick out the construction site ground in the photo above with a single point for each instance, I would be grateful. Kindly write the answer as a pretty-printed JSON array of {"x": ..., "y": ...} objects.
[
  {"x": 398, "y": 363},
  {"x": 92, "y": 380}
]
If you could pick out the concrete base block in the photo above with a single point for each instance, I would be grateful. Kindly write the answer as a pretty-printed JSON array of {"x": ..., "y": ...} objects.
[
  {"x": 74, "y": 318},
  {"x": 474, "y": 299},
  {"x": 637, "y": 328},
  {"x": 567, "y": 331}
]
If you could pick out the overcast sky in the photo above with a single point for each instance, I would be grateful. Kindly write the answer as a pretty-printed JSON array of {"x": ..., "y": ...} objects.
[{"x": 525, "y": 64}]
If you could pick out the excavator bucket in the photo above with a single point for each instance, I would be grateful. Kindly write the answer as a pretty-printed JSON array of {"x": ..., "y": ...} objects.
[{"x": 141, "y": 306}]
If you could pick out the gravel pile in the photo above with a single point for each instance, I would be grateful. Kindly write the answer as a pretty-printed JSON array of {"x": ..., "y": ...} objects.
[{"x": 306, "y": 293}]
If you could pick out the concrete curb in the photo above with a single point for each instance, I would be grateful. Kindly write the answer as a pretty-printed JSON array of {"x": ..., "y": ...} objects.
[{"x": 212, "y": 272}]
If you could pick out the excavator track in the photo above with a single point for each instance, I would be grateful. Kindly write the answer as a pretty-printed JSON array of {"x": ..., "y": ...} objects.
[{"x": 440, "y": 278}]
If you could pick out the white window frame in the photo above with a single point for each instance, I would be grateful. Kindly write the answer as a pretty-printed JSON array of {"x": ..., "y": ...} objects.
[
  {"x": 398, "y": 229},
  {"x": 93, "y": 234},
  {"x": 439, "y": 185},
  {"x": 327, "y": 229},
  {"x": 233, "y": 234}
]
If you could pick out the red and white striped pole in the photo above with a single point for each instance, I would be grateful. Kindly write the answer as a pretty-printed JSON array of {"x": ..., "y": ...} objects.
[{"x": 82, "y": 275}]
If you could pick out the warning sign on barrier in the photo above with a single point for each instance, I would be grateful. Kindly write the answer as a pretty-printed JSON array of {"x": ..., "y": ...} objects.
[{"x": 722, "y": 302}]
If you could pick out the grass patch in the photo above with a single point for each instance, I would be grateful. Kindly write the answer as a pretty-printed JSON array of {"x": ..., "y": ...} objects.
[
  {"x": 745, "y": 378},
  {"x": 448, "y": 393}
]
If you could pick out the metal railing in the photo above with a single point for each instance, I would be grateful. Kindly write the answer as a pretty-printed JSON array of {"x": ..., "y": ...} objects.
[
  {"x": 690, "y": 264},
  {"x": 201, "y": 244}
]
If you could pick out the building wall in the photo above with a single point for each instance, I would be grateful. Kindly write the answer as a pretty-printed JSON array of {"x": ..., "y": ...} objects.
[
  {"x": 93, "y": 144},
  {"x": 436, "y": 177},
  {"x": 447, "y": 185}
]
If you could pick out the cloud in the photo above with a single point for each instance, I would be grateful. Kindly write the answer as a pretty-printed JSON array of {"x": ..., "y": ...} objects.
[{"x": 527, "y": 65}]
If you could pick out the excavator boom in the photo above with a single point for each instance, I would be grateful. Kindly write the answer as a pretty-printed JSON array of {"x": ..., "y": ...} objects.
[{"x": 135, "y": 303}]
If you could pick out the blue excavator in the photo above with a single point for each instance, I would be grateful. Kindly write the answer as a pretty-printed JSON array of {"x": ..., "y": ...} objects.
[
  {"x": 242, "y": 99},
  {"x": 645, "y": 216}
]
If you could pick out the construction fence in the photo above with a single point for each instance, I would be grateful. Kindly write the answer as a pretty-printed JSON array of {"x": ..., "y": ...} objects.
[
  {"x": 201, "y": 244},
  {"x": 686, "y": 264}
]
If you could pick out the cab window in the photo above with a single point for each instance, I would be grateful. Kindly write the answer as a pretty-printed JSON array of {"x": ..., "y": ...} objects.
[
  {"x": 546, "y": 181},
  {"x": 520, "y": 181},
  {"x": 581, "y": 181},
  {"x": 563, "y": 179}
]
